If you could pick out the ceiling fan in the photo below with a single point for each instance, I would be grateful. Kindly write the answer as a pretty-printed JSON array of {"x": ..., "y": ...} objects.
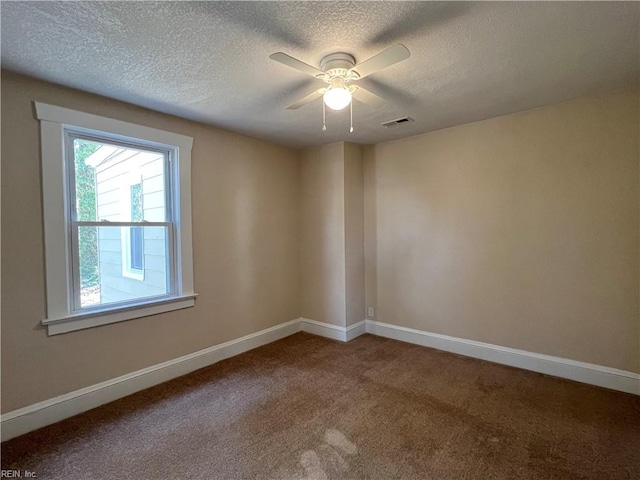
[{"x": 338, "y": 70}]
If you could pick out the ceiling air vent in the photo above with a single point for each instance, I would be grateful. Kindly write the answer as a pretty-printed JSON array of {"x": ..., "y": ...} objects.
[{"x": 396, "y": 122}]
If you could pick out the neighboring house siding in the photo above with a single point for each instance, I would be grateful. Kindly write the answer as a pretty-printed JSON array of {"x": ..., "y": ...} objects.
[{"x": 114, "y": 178}]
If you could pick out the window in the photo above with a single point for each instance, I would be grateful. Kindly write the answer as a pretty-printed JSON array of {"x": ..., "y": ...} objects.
[
  {"x": 132, "y": 238},
  {"x": 135, "y": 247},
  {"x": 117, "y": 219}
]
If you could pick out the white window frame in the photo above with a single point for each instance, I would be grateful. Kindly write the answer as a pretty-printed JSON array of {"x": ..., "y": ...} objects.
[{"x": 61, "y": 315}]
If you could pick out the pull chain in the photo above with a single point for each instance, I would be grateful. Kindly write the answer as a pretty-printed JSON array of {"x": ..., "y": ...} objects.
[
  {"x": 324, "y": 117},
  {"x": 351, "y": 114},
  {"x": 324, "y": 122}
]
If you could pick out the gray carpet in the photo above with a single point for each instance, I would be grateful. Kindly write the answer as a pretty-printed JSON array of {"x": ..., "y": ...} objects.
[{"x": 311, "y": 408}]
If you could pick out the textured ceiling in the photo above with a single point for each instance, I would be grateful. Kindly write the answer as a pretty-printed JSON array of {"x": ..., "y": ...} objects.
[{"x": 208, "y": 61}]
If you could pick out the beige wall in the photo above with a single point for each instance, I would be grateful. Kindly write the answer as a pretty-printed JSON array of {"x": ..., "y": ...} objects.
[
  {"x": 520, "y": 231},
  {"x": 332, "y": 234},
  {"x": 245, "y": 238},
  {"x": 354, "y": 232},
  {"x": 370, "y": 236},
  {"x": 322, "y": 234}
]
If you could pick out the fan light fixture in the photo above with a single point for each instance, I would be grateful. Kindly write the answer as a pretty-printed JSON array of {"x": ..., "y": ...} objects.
[
  {"x": 338, "y": 70},
  {"x": 337, "y": 98},
  {"x": 337, "y": 95}
]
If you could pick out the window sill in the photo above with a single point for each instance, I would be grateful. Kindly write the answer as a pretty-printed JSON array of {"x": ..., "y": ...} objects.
[{"x": 80, "y": 321}]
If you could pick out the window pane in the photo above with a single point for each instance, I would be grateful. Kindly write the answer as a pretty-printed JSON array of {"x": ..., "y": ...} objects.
[
  {"x": 85, "y": 180},
  {"x": 118, "y": 184},
  {"x": 135, "y": 234},
  {"x": 89, "y": 266},
  {"x": 135, "y": 256},
  {"x": 122, "y": 264},
  {"x": 136, "y": 202}
]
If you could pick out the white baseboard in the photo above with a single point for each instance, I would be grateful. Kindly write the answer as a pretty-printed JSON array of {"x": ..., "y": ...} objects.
[
  {"x": 343, "y": 334},
  {"x": 606, "y": 377},
  {"x": 41, "y": 414},
  {"x": 44, "y": 413},
  {"x": 356, "y": 330}
]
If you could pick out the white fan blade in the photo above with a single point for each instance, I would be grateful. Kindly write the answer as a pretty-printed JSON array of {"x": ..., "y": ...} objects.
[
  {"x": 365, "y": 96},
  {"x": 384, "y": 59},
  {"x": 296, "y": 64},
  {"x": 308, "y": 99}
]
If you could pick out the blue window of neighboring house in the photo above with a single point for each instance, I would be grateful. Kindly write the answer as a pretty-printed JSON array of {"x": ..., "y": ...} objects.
[
  {"x": 136, "y": 248},
  {"x": 136, "y": 235}
]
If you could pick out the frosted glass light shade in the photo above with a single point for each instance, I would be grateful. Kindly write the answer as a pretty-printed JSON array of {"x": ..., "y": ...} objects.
[{"x": 337, "y": 98}]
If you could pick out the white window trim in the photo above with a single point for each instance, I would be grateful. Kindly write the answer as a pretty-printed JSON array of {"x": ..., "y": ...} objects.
[{"x": 60, "y": 315}]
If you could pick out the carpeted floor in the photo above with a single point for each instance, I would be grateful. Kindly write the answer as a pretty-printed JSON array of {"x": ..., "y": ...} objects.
[{"x": 311, "y": 408}]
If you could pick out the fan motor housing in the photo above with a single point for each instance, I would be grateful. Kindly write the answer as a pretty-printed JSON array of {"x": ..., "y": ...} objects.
[{"x": 337, "y": 64}]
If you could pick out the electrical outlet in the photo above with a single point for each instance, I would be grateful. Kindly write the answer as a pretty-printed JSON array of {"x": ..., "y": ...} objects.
[{"x": 370, "y": 311}]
